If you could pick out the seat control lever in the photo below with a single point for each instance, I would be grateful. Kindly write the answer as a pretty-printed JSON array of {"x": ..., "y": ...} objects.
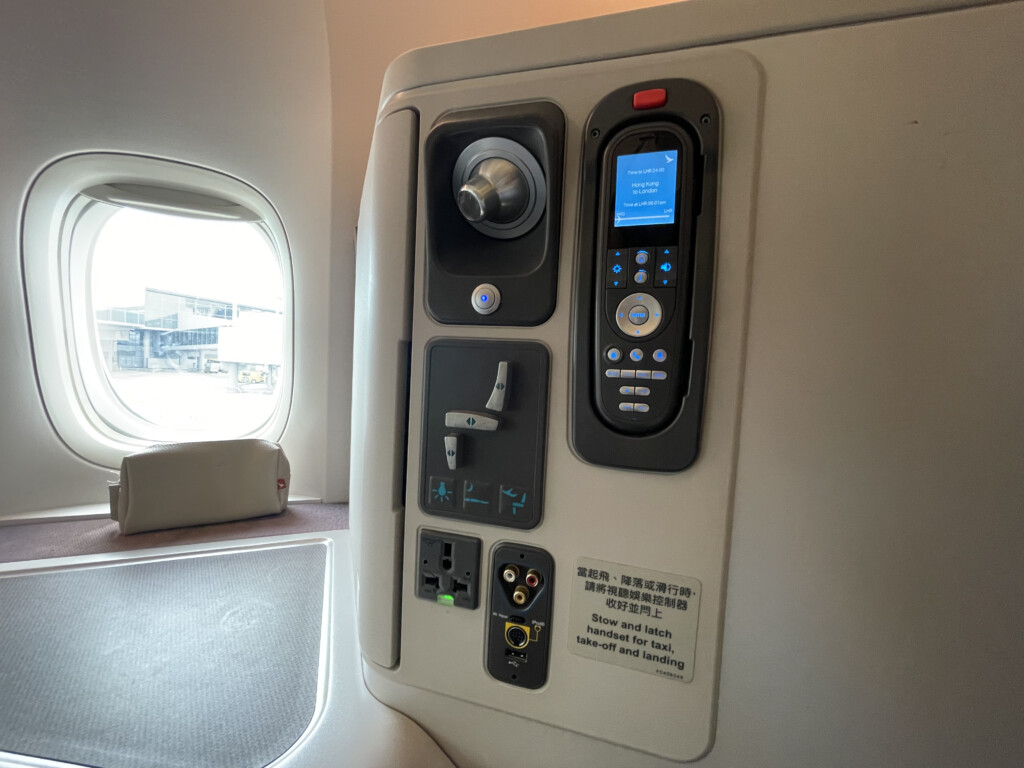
[
  {"x": 471, "y": 420},
  {"x": 496, "y": 402},
  {"x": 452, "y": 450}
]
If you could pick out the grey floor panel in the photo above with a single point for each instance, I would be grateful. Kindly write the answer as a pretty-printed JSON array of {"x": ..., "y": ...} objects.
[{"x": 196, "y": 661}]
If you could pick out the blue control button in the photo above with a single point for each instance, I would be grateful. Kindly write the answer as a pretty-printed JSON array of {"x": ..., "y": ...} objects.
[
  {"x": 660, "y": 355},
  {"x": 640, "y": 276},
  {"x": 512, "y": 500},
  {"x": 614, "y": 354},
  {"x": 442, "y": 492},
  {"x": 616, "y": 275},
  {"x": 636, "y": 355},
  {"x": 485, "y": 299},
  {"x": 476, "y": 497},
  {"x": 665, "y": 268},
  {"x": 642, "y": 256}
]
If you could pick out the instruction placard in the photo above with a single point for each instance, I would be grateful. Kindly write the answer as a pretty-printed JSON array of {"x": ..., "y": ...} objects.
[{"x": 634, "y": 618}]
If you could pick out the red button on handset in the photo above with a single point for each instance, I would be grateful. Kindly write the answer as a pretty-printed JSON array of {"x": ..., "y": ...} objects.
[{"x": 650, "y": 99}]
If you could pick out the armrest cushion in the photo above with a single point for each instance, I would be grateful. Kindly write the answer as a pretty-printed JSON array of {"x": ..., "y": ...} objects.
[{"x": 181, "y": 484}]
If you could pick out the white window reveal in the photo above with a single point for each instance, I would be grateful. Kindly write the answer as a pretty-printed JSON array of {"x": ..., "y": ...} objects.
[{"x": 161, "y": 304}]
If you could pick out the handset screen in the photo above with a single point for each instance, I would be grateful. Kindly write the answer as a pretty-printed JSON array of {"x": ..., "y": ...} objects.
[{"x": 645, "y": 188}]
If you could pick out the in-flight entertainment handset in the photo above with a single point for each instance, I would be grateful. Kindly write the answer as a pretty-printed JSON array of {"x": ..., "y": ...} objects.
[
  {"x": 645, "y": 275},
  {"x": 642, "y": 354}
]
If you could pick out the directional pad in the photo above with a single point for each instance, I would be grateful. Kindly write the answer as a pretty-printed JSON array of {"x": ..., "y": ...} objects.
[{"x": 638, "y": 315}]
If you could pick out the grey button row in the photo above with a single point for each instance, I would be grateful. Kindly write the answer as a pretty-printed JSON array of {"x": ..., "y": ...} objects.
[
  {"x": 630, "y": 373},
  {"x": 638, "y": 391},
  {"x": 635, "y": 407}
]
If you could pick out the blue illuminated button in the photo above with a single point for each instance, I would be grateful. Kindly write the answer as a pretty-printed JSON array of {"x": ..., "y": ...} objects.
[
  {"x": 625, "y": 406},
  {"x": 665, "y": 268},
  {"x": 660, "y": 355},
  {"x": 614, "y": 354},
  {"x": 441, "y": 492},
  {"x": 513, "y": 500},
  {"x": 638, "y": 314},
  {"x": 642, "y": 256},
  {"x": 641, "y": 407},
  {"x": 641, "y": 391},
  {"x": 636, "y": 355},
  {"x": 616, "y": 272},
  {"x": 640, "y": 277},
  {"x": 476, "y": 496},
  {"x": 486, "y": 299}
]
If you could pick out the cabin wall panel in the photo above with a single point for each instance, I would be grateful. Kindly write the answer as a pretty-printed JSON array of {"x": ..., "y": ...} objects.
[{"x": 872, "y": 614}]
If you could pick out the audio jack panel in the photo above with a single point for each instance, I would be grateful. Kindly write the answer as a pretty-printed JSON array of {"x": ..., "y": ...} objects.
[{"x": 519, "y": 631}]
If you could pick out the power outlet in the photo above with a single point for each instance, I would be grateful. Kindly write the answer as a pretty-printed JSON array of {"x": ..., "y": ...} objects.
[{"x": 448, "y": 569}]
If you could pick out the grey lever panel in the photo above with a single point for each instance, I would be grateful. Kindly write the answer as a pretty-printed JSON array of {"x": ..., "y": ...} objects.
[
  {"x": 496, "y": 402},
  {"x": 471, "y": 420},
  {"x": 499, "y": 474}
]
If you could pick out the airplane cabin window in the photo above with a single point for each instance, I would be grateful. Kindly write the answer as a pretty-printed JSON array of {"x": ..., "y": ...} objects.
[
  {"x": 188, "y": 320},
  {"x": 161, "y": 304}
]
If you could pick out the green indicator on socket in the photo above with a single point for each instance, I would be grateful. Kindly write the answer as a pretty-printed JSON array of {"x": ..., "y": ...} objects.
[{"x": 446, "y": 600}]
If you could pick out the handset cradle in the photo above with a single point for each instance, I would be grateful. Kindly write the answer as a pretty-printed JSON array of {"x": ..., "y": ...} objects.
[
  {"x": 644, "y": 279},
  {"x": 641, "y": 309}
]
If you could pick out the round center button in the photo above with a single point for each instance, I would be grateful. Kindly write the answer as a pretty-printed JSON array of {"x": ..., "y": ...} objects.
[
  {"x": 638, "y": 315},
  {"x": 613, "y": 355},
  {"x": 486, "y": 298}
]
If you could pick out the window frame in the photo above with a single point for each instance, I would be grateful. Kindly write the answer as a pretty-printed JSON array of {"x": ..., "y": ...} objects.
[{"x": 59, "y": 229}]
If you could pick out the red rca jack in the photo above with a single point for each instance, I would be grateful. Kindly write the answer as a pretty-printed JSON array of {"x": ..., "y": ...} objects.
[{"x": 532, "y": 578}]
